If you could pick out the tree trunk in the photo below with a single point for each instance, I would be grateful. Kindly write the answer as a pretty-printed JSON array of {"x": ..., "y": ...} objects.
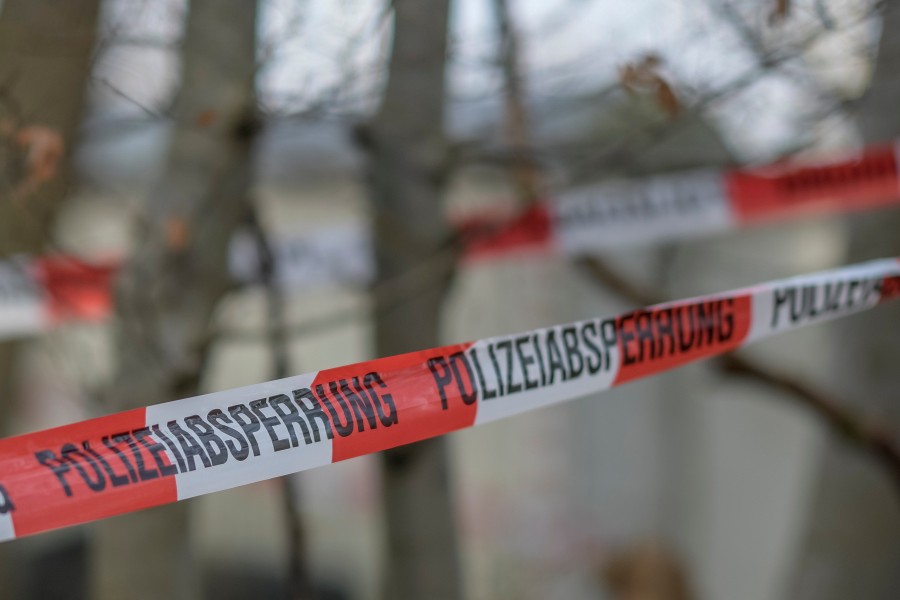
[
  {"x": 45, "y": 61},
  {"x": 168, "y": 291},
  {"x": 407, "y": 156},
  {"x": 853, "y": 544}
]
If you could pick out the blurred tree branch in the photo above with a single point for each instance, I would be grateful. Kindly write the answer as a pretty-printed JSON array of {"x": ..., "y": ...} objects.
[
  {"x": 592, "y": 157},
  {"x": 642, "y": 574},
  {"x": 876, "y": 442},
  {"x": 755, "y": 44},
  {"x": 43, "y": 88},
  {"x": 299, "y": 581},
  {"x": 523, "y": 170},
  {"x": 407, "y": 170},
  {"x": 167, "y": 293}
]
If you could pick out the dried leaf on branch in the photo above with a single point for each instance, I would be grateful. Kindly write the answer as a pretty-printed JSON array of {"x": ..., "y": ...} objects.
[
  {"x": 43, "y": 148},
  {"x": 644, "y": 76},
  {"x": 781, "y": 10}
]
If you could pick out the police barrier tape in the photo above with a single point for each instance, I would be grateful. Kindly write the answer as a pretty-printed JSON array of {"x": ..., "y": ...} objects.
[
  {"x": 176, "y": 450},
  {"x": 695, "y": 203},
  {"x": 39, "y": 293}
]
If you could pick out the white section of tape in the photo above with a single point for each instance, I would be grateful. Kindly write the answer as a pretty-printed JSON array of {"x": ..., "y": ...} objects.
[
  {"x": 340, "y": 254},
  {"x": 23, "y": 307},
  {"x": 542, "y": 356},
  {"x": 23, "y": 318},
  {"x": 267, "y": 464},
  {"x": 7, "y": 530},
  {"x": 659, "y": 208},
  {"x": 809, "y": 299}
]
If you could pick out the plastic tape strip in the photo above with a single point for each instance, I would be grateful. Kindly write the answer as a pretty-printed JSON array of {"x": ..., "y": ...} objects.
[{"x": 167, "y": 452}]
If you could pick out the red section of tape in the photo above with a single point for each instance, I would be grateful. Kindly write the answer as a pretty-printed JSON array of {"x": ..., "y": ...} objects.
[
  {"x": 786, "y": 189},
  {"x": 74, "y": 289},
  {"x": 404, "y": 383},
  {"x": 661, "y": 338},
  {"x": 532, "y": 229},
  {"x": 890, "y": 288},
  {"x": 51, "y": 473}
]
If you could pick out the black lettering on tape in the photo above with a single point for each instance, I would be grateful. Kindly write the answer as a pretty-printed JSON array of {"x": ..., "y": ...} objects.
[
  {"x": 218, "y": 419},
  {"x": 664, "y": 333},
  {"x": 172, "y": 446},
  {"x": 780, "y": 298},
  {"x": 500, "y": 390},
  {"x": 143, "y": 473},
  {"x": 360, "y": 402},
  {"x": 70, "y": 454},
  {"x": 574, "y": 359},
  {"x": 123, "y": 458},
  {"x": 535, "y": 343},
  {"x": 594, "y": 359},
  {"x": 609, "y": 334},
  {"x": 248, "y": 422},
  {"x": 726, "y": 319},
  {"x": 810, "y": 296},
  {"x": 391, "y": 417},
  {"x": 115, "y": 479},
  {"x": 446, "y": 371},
  {"x": 59, "y": 468},
  {"x": 686, "y": 329},
  {"x": 312, "y": 411},
  {"x": 554, "y": 358},
  {"x": 468, "y": 397},
  {"x": 488, "y": 393},
  {"x": 290, "y": 416},
  {"x": 815, "y": 300},
  {"x": 441, "y": 379},
  {"x": 156, "y": 450},
  {"x": 344, "y": 428},
  {"x": 525, "y": 361},
  {"x": 212, "y": 443},
  {"x": 626, "y": 336},
  {"x": 512, "y": 386},
  {"x": 833, "y": 295},
  {"x": 189, "y": 445},
  {"x": 643, "y": 323},
  {"x": 269, "y": 422},
  {"x": 851, "y": 290}
]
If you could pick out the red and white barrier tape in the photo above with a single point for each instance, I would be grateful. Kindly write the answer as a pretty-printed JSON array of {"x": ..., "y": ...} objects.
[
  {"x": 35, "y": 295},
  {"x": 176, "y": 450},
  {"x": 695, "y": 203}
]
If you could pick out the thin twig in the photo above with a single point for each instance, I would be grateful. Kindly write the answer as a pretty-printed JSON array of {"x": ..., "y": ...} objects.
[
  {"x": 858, "y": 429},
  {"x": 664, "y": 572},
  {"x": 299, "y": 581},
  {"x": 522, "y": 170},
  {"x": 592, "y": 157}
]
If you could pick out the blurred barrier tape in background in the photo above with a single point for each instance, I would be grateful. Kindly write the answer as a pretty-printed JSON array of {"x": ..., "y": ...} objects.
[
  {"x": 37, "y": 293},
  {"x": 176, "y": 450}
]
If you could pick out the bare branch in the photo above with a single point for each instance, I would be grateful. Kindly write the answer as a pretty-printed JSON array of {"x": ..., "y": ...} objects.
[
  {"x": 523, "y": 172},
  {"x": 279, "y": 343},
  {"x": 857, "y": 430}
]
